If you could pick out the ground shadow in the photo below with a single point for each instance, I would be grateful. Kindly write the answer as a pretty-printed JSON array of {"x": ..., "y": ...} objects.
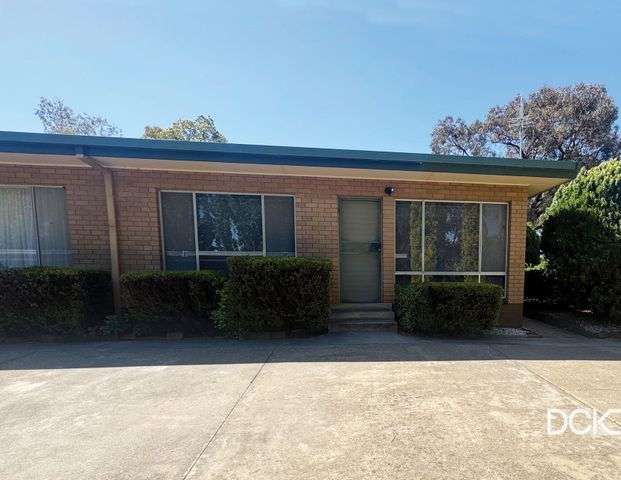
[{"x": 371, "y": 347}]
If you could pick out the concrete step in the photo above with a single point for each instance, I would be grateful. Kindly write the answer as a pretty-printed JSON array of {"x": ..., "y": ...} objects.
[
  {"x": 362, "y": 317},
  {"x": 338, "y": 316},
  {"x": 361, "y": 307},
  {"x": 363, "y": 326}
]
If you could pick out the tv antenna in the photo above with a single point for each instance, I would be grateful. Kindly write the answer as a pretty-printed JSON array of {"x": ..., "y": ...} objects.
[{"x": 522, "y": 121}]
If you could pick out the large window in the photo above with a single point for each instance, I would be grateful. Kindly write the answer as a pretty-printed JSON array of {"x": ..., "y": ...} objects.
[
  {"x": 451, "y": 241},
  {"x": 200, "y": 230},
  {"x": 33, "y": 227}
]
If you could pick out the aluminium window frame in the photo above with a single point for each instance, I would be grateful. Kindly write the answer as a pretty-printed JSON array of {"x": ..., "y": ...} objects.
[
  {"x": 478, "y": 273},
  {"x": 34, "y": 213},
  {"x": 198, "y": 252}
]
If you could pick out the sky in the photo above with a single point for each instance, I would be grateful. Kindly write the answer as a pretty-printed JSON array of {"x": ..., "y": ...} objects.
[{"x": 360, "y": 74}]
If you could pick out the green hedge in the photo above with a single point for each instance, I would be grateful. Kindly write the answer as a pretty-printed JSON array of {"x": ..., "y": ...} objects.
[
  {"x": 606, "y": 295},
  {"x": 448, "y": 308},
  {"x": 275, "y": 294},
  {"x": 53, "y": 300},
  {"x": 581, "y": 241},
  {"x": 163, "y": 302},
  {"x": 578, "y": 247}
]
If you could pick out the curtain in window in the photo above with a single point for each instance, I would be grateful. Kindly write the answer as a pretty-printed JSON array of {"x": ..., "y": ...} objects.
[
  {"x": 52, "y": 225},
  {"x": 18, "y": 237}
]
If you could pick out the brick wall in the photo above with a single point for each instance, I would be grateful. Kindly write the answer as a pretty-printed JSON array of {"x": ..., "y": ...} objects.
[{"x": 316, "y": 213}]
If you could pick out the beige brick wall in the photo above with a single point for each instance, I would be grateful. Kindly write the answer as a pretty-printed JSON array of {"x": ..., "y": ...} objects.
[{"x": 316, "y": 212}]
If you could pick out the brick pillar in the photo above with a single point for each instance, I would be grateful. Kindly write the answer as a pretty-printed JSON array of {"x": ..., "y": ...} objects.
[
  {"x": 388, "y": 249},
  {"x": 511, "y": 314}
]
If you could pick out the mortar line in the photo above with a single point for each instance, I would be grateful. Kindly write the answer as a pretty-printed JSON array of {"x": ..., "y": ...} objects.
[
  {"x": 557, "y": 387},
  {"x": 267, "y": 359}
]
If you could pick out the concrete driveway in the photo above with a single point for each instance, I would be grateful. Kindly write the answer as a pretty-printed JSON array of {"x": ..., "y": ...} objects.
[{"x": 337, "y": 406}]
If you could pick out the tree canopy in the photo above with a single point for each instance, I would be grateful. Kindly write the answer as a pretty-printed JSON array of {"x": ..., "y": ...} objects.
[
  {"x": 568, "y": 123},
  {"x": 581, "y": 239},
  {"x": 596, "y": 191},
  {"x": 59, "y": 118},
  {"x": 202, "y": 129}
]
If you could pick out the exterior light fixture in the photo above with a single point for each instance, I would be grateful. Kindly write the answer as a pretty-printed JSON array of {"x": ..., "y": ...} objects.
[{"x": 389, "y": 191}]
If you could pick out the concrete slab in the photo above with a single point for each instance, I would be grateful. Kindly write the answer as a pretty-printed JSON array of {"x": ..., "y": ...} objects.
[
  {"x": 546, "y": 330},
  {"x": 375, "y": 405},
  {"x": 139, "y": 410}
]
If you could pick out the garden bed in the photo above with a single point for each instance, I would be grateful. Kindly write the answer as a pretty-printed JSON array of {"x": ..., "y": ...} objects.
[{"x": 509, "y": 332}]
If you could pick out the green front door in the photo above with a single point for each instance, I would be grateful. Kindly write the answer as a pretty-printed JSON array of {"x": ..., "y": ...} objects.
[{"x": 360, "y": 250}]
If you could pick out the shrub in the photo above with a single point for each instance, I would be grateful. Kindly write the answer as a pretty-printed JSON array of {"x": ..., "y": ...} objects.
[
  {"x": 275, "y": 294},
  {"x": 112, "y": 326},
  {"x": 448, "y": 308},
  {"x": 606, "y": 295},
  {"x": 539, "y": 284},
  {"x": 581, "y": 240},
  {"x": 53, "y": 300},
  {"x": 596, "y": 191},
  {"x": 171, "y": 301},
  {"x": 533, "y": 245},
  {"x": 577, "y": 246}
]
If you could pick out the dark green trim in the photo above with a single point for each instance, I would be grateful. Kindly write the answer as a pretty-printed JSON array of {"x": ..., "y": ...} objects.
[{"x": 134, "y": 148}]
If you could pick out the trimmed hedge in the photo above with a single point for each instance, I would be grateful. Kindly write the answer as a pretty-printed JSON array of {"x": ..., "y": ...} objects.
[
  {"x": 53, "y": 300},
  {"x": 266, "y": 294},
  {"x": 448, "y": 308},
  {"x": 170, "y": 301}
]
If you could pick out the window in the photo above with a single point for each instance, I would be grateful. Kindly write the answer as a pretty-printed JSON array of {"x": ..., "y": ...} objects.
[
  {"x": 200, "y": 230},
  {"x": 33, "y": 227},
  {"x": 450, "y": 241}
]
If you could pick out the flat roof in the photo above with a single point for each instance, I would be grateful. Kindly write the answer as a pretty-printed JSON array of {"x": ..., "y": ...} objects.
[{"x": 119, "y": 152}]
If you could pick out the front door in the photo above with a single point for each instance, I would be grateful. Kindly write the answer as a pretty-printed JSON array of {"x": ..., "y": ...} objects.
[{"x": 360, "y": 250}]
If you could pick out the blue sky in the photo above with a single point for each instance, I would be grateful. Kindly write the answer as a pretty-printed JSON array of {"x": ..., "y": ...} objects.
[{"x": 332, "y": 73}]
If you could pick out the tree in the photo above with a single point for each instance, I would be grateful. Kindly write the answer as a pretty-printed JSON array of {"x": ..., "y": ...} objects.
[
  {"x": 202, "y": 129},
  {"x": 568, "y": 123},
  {"x": 581, "y": 240},
  {"x": 59, "y": 118},
  {"x": 596, "y": 191},
  {"x": 453, "y": 136}
]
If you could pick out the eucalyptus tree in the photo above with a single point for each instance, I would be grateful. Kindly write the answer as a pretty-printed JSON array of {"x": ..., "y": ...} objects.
[{"x": 57, "y": 117}]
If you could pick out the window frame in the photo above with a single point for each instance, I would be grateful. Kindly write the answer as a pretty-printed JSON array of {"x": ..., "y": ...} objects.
[
  {"x": 32, "y": 187},
  {"x": 198, "y": 252},
  {"x": 479, "y": 273}
]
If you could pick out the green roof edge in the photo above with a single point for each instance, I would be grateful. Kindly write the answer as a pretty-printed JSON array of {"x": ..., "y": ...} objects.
[{"x": 52, "y": 144}]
